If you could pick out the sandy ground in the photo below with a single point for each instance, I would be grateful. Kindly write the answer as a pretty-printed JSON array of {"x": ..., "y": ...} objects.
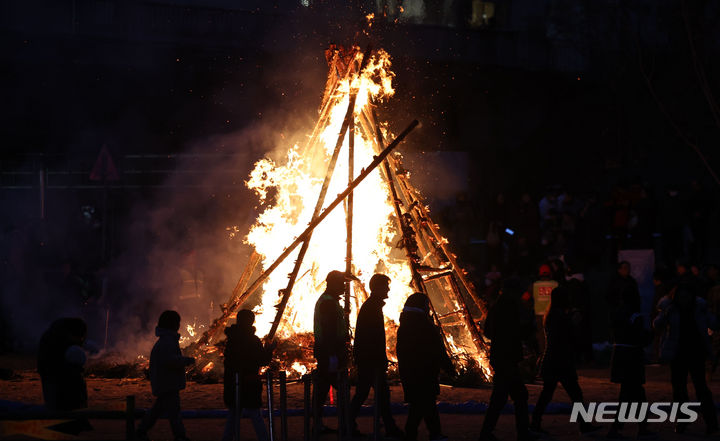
[{"x": 110, "y": 394}]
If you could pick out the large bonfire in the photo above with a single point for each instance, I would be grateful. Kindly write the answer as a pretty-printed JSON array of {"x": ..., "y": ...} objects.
[
  {"x": 297, "y": 183},
  {"x": 385, "y": 230}
]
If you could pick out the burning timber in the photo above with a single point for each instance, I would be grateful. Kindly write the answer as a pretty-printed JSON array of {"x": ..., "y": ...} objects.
[{"x": 396, "y": 235}]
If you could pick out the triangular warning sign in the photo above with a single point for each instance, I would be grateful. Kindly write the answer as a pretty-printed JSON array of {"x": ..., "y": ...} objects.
[{"x": 104, "y": 168}]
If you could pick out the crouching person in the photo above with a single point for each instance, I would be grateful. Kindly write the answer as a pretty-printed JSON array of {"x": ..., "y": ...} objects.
[
  {"x": 167, "y": 377},
  {"x": 60, "y": 363},
  {"x": 61, "y": 360},
  {"x": 421, "y": 354},
  {"x": 244, "y": 356}
]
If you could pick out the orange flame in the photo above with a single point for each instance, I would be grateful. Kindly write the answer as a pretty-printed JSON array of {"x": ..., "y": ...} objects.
[{"x": 295, "y": 182}]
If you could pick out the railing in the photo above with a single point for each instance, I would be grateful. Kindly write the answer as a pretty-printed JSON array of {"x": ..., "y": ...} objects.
[{"x": 131, "y": 413}]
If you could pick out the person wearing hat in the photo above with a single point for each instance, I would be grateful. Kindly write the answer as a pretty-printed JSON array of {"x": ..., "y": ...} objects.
[
  {"x": 370, "y": 356},
  {"x": 331, "y": 338},
  {"x": 244, "y": 356},
  {"x": 421, "y": 355}
]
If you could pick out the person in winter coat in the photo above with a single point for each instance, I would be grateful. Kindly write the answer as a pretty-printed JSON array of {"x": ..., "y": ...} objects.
[
  {"x": 167, "y": 377},
  {"x": 580, "y": 309},
  {"x": 622, "y": 285},
  {"x": 627, "y": 366},
  {"x": 60, "y": 363},
  {"x": 558, "y": 364},
  {"x": 508, "y": 325},
  {"x": 331, "y": 340},
  {"x": 244, "y": 356},
  {"x": 371, "y": 357},
  {"x": 683, "y": 320},
  {"x": 421, "y": 355}
]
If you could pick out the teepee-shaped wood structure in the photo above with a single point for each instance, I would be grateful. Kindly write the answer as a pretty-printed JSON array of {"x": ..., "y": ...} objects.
[{"x": 456, "y": 307}]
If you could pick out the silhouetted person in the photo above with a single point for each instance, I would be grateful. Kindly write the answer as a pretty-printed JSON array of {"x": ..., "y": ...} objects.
[
  {"x": 627, "y": 366},
  {"x": 662, "y": 287},
  {"x": 167, "y": 377},
  {"x": 580, "y": 309},
  {"x": 622, "y": 285},
  {"x": 61, "y": 360},
  {"x": 558, "y": 364},
  {"x": 331, "y": 338},
  {"x": 244, "y": 356},
  {"x": 508, "y": 324},
  {"x": 370, "y": 356},
  {"x": 684, "y": 320},
  {"x": 421, "y": 355}
]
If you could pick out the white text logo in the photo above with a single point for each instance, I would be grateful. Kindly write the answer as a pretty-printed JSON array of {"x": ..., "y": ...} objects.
[{"x": 609, "y": 412}]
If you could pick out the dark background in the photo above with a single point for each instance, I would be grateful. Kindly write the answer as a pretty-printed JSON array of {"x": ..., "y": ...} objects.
[{"x": 187, "y": 94}]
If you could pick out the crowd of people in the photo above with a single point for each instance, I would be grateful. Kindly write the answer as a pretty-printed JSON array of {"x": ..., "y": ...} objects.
[
  {"x": 588, "y": 228},
  {"x": 542, "y": 319}
]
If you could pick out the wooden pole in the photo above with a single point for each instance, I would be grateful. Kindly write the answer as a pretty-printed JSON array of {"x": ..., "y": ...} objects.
[
  {"x": 219, "y": 324},
  {"x": 306, "y": 243},
  {"x": 313, "y": 224},
  {"x": 43, "y": 186},
  {"x": 424, "y": 216},
  {"x": 349, "y": 220},
  {"x": 318, "y": 206},
  {"x": 271, "y": 419},
  {"x": 107, "y": 317},
  {"x": 417, "y": 280},
  {"x": 307, "y": 408},
  {"x": 408, "y": 235},
  {"x": 283, "y": 407},
  {"x": 467, "y": 317}
]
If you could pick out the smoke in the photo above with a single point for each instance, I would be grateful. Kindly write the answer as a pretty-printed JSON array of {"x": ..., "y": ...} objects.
[
  {"x": 184, "y": 247},
  {"x": 179, "y": 246}
]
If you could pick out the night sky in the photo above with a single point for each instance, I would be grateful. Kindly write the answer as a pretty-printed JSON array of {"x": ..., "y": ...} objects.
[{"x": 187, "y": 95}]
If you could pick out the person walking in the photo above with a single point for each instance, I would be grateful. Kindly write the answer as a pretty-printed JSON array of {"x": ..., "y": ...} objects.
[
  {"x": 421, "y": 355},
  {"x": 507, "y": 325},
  {"x": 371, "y": 358},
  {"x": 167, "y": 377},
  {"x": 244, "y": 356},
  {"x": 558, "y": 363},
  {"x": 627, "y": 366},
  {"x": 331, "y": 339},
  {"x": 683, "y": 321}
]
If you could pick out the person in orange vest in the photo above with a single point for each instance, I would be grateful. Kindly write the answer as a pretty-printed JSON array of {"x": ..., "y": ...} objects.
[{"x": 541, "y": 290}]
